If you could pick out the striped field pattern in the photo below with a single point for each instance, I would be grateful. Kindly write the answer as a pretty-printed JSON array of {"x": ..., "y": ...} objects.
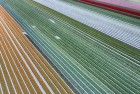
[
  {"x": 23, "y": 70},
  {"x": 120, "y": 27},
  {"x": 90, "y": 62}
]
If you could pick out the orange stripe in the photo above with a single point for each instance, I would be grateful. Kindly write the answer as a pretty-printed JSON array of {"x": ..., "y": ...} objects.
[{"x": 29, "y": 71}]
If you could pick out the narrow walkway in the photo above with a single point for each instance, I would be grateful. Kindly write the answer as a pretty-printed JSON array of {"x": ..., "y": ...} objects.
[{"x": 23, "y": 70}]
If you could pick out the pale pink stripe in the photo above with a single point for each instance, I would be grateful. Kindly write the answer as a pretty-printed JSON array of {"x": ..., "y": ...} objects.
[{"x": 124, "y": 3}]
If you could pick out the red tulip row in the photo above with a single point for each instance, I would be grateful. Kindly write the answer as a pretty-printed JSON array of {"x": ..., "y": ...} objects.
[{"x": 127, "y": 8}]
